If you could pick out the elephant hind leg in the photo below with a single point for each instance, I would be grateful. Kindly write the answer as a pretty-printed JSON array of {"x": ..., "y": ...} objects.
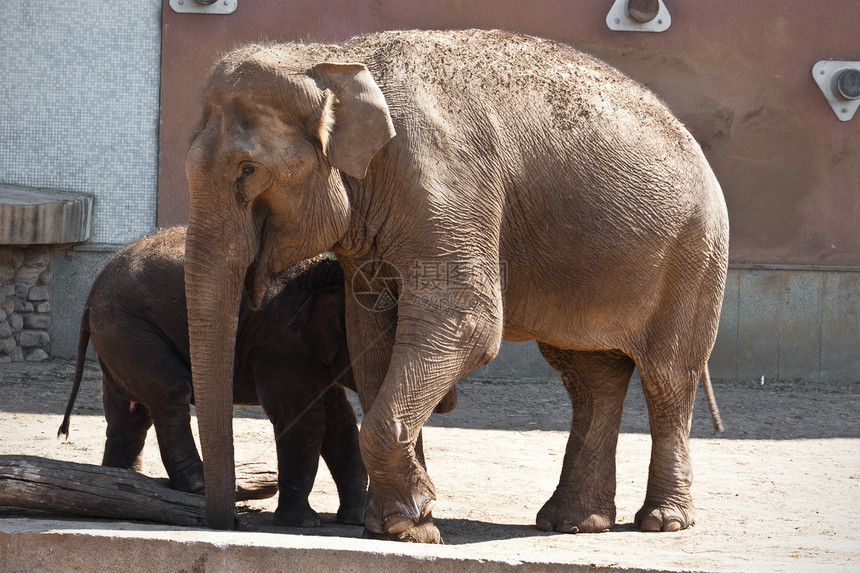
[
  {"x": 178, "y": 450},
  {"x": 680, "y": 336},
  {"x": 669, "y": 394},
  {"x": 584, "y": 500},
  {"x": 127, "y": 425}
]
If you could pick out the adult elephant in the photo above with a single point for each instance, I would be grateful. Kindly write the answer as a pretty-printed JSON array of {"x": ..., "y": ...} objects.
[{"x": 492, "y": 186}]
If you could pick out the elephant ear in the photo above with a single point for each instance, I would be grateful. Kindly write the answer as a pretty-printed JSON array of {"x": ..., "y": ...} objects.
[
  {"x": 355, "y": 121},
  {"x": 321, "y": 323}
]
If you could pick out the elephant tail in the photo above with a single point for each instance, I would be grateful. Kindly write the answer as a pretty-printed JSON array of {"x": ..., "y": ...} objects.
[
  {"x": 712, "y": 401},
  {"x": 80, "y": 358}
]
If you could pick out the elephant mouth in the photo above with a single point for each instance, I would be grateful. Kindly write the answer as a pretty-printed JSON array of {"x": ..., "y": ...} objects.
[{"x": 256, "y": 283}]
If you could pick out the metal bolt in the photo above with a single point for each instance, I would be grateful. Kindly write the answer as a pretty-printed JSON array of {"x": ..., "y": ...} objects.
[
  {"x": 848, "y": 84},
  {"x": 643, "y": 11}
]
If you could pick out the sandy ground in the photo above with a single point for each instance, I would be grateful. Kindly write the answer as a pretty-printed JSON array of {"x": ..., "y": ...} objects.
[{"x": 779, "y": 490}]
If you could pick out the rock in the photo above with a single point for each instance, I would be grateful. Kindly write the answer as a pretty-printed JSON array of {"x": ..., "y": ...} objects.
[
  {"x": 33, "y": 338},
  {"x": 45, "y": 278},
  {"x": 27, "y": 275},
  {"x": 12, "y": 256},
  {"x": 37, "y": 355},
  {"x": 37, "y": 321},
  {"x": 2, "y": 315},
  {"x": 17, "y": 354},
  {"x": 37, "y": 256},
  {"x": 17, "y": 322},
  {"x": 43, "y": 307},
  {"x": 5, "y": 329},
  {"x": 5, "y": 254},
  {"x": 21, "y": 291},
  {"x": 23, "y": 307},
  {"x": 38, "y": 294},
  {"x": 7, "y": 345},
  {"x": 6, "y": 273},
  {"x": 8, "y": 307}
]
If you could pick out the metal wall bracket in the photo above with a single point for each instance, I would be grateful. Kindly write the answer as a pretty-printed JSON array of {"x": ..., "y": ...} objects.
[
  {"x": 638, "y": 16},
  {"x": 204, "y": 6},
  {"x": 839, "y": 81}
]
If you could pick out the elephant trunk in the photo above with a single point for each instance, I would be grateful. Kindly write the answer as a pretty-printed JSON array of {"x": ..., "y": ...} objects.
[{"x": 217, "y": 258}]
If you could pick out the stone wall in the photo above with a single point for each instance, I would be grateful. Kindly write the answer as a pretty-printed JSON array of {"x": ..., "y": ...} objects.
[{"x": 25, "y": 303}]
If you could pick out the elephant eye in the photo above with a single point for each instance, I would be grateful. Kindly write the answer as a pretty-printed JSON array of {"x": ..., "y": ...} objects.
[{"x": 247, "y": 170}]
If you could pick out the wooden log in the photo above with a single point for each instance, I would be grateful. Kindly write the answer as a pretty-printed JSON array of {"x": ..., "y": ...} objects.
[
  {"x": 94, "y": 491},
  {"x": 255, "y": 481},
  {"x": 71, "y": 488}
]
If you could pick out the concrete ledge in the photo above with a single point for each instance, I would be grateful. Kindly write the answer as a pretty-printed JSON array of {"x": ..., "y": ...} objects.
[
  {"x": 43, "y": 216},
  {"x": 47, "y": 546}
]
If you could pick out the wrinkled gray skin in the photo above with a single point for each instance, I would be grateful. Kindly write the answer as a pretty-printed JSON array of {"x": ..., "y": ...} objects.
[
  {"x": 508, "y": 187},
  {"x": 291, "y": 357}
]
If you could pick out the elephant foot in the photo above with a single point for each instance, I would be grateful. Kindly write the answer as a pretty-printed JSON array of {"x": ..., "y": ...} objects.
[
  {"x": 425, "y": 531},
  {"x": 560, "y": 515},
  {"x": 351, "y": 514},
  {"x": 404, "y": 506},
  {"x": 296, "y": 515},
  {"x": 664, "y": 517},
  {"x": 188, "y": 481}
]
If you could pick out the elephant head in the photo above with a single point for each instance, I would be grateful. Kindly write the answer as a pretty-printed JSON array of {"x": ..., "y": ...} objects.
[{"x": 266, "y": 174}]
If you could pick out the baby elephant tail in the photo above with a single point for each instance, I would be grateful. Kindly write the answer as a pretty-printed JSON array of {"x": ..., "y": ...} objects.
[
  {"x": 712, "y": 401},
  {"x": 83, "y": 341}
]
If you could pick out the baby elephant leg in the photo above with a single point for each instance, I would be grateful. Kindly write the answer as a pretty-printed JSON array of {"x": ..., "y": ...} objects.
[
  {"x": 127, "y": 425},
  {"x": 342, "y": 455},
  {"x": 162, "y": 386},
  {"x": 178, "y": 450},
  {"x": 298, "y": 436}
]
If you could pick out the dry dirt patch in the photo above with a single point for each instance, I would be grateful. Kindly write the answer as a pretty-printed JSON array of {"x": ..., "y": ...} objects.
[{"x": 779, "y": 490}]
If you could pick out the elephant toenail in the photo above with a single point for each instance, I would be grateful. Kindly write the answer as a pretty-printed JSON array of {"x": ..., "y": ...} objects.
[
  {"x": 566, "y": 528},
  {"x": 650, "y": 524},
  {"x": 397, "y": 524},
  {"x": 428, "y": 508},
  {"x": 672, "y": 525}
]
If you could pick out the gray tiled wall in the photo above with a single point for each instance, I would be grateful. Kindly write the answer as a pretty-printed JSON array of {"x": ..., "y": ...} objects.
[
  {"x": 789, "y": 325},
  {"x": 80, "y": 105}
]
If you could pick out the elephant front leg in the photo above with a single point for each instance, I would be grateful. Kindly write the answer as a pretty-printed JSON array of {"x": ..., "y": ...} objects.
[
  {"x": 299, "y": 438},
  {"x": 433, "y": 350},
  {"x": 584, "y": 500}
]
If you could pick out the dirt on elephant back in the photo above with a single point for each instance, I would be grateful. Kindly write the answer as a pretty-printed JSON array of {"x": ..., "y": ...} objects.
[{"x": 780, "y": 489}]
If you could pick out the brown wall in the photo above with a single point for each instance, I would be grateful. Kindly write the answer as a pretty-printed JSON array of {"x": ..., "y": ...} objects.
[{"x": 738, "y": 73}]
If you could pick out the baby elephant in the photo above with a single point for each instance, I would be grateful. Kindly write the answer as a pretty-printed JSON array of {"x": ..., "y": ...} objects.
[{"x": 291, "y": 357}]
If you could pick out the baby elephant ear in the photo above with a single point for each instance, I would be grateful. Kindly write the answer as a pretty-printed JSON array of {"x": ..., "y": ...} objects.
[
  {"x": 356, "y": 122},
  {"x": 320, "y": 320}
]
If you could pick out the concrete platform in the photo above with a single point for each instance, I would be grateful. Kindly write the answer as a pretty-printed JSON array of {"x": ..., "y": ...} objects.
[
  {"x": 43, "y": 546},
  {"x": 43, "y": 216}
]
